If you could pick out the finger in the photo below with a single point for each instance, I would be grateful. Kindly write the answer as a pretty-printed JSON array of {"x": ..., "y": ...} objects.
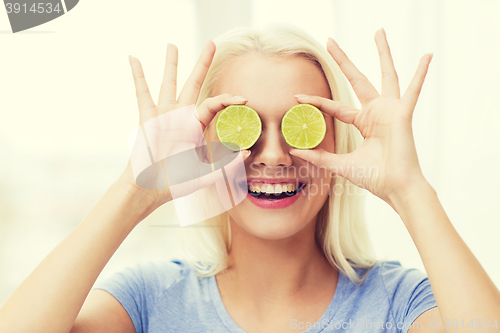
[
  {"x": 336, "y": 163},
  {"x": 362, "y": 87},
  {"x": 410, "y": 97},
  {"x": 146, "y": 105},
  {"x": 339, "y": 110},
  {"x": 191, "y": 90},
  {"x": 209, "y": 108},
  {"x": 390, "y": 83},
  {"x": 168, "y": 90}
]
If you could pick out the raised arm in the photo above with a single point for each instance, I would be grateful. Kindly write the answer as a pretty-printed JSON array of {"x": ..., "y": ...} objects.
[
  {"x": 50, "y": 298},
  {"x": 386, "y": 164}
]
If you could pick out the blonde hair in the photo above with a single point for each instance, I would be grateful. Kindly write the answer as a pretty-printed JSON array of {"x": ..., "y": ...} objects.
[{"x": 341, "y": 232}]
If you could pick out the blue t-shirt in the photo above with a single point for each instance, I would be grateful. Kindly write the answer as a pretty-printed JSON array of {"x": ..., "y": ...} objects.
[{"x": 168, "y": 296}]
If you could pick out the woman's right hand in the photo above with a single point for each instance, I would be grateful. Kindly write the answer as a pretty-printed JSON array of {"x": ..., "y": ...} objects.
[{"x": 167, "y": 101}]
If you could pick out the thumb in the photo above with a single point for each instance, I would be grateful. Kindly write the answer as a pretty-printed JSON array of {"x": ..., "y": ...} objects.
[{"x": 336, "y": 163}]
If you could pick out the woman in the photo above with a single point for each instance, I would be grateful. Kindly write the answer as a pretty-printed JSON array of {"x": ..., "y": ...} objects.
[{"x": 307, "y": 266}]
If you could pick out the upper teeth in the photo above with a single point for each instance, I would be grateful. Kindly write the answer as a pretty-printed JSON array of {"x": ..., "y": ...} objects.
[{"x": 272, "y": 188}]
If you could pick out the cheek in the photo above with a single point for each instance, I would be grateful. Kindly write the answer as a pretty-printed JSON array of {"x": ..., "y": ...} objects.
[
  {"x": 320, "y": 182},
  {"x": 328, "y": 142},
  {"x": 320, "y": 186}
]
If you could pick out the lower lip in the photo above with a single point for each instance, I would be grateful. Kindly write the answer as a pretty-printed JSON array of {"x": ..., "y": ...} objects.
[{"x": 274, "y": 204}]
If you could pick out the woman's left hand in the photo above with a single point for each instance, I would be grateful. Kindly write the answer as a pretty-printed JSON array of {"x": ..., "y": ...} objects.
[{"x": 386, "y": 163}]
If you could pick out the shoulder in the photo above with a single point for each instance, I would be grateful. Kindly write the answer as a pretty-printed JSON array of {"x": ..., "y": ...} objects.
[
  {"x": 402, "y": 292},
  {"x": 147, "y": 289},
  {"x": 389, "y": 282},
  {"x": 395, "y": 281},
  {"x": 391, "y": 274},
  {"x": 166, "y": 271},
  {"x": 158, "y": 276},
  {"x": 399, "y": 279},
  {"x": 149, "y": 278}
]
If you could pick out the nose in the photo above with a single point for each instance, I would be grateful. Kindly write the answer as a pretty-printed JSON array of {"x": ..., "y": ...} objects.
[{"x": 271, "y": 150}]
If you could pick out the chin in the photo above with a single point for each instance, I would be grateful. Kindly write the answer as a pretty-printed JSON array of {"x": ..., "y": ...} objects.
[
  {"x": 272, "y": 224},
  {"x": 270, "y": 227}
]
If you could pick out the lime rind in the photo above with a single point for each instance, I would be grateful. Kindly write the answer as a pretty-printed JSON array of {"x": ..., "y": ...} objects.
[
  {"x": 303, "y": 126},
  {"x": 238, "y": 127}
]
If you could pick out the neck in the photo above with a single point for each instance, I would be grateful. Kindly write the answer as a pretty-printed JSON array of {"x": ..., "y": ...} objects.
[{"x": 266, "y": 269}]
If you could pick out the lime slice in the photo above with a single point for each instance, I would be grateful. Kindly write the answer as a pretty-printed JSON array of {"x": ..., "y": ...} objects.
[
  {"x": 238, "y": 127},
  {"x": 303, "y": 126}
]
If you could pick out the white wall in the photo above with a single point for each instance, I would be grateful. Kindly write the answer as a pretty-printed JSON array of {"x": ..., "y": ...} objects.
[{"x": 67, "y": 106}]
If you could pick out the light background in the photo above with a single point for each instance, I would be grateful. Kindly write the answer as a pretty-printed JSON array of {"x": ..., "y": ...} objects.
[{"x": 67, "y": 106}]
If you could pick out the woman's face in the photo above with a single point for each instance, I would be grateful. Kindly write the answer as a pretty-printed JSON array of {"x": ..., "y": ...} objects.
[{"x": 269, "y": 84}]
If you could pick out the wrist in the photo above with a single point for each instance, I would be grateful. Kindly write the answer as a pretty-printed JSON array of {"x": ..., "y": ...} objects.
[
  {"x": 408, "y": 194},
  {"x": 137, "y": 201}
]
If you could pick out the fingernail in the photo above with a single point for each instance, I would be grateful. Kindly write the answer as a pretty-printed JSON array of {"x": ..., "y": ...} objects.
[
  {"x": 383, "y": 30},
  {"x": 241, "y": 98},
  {"x": 432, "y": 55},
  {"x": 300, "y": 96},
  {"x": 332, "y": 40},
  {"x": 245, "y": 153}
]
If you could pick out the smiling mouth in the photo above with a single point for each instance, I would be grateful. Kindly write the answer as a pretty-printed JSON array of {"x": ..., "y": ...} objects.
[{"x": 274, "y": 191}]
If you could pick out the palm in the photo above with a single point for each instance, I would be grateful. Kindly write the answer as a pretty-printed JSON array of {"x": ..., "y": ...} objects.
[
  {"x": 386, "y": 161},
  {"x": 380, "y": 159},
  {"x": 167, "y": 101},
  {"x": 174, "y": 134}
]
